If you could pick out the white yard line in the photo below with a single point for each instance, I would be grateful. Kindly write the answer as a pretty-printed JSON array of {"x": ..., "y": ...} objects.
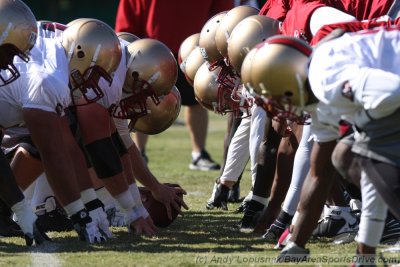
[{"x": 45, "y": 256}]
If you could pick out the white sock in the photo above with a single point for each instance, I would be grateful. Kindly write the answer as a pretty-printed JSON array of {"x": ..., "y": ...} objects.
[
  {"x": 195, "y": 155},
  {"x": 106, "y": 198},
  {"x": 262, "y": 200},
  {"x": 74, "y": 207},
  {"x": 88, "y": 195},
  {"x": 42, "y": 191},
  {"x": 125, "y": 200}
]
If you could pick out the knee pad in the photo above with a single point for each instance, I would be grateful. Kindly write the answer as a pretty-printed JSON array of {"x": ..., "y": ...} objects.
[{"x": 104, "y": 157}]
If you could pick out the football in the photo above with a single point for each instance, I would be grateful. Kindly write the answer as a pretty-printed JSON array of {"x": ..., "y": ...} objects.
[{"x": 156, "y": 209}]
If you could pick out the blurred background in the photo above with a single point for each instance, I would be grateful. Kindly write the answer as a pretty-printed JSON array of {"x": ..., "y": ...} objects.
[{"x": 63, "y": 11}]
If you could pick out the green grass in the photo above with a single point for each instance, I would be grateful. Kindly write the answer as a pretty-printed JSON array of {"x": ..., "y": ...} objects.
[{"x": 208, "y": 237}]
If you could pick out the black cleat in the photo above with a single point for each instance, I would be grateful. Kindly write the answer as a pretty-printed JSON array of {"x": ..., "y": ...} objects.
[
  {"x": 234, "y": 193},
  {"x": 219, "y": 197},
  {"x": 251, "y": 214},
  {"x": 56, "y": 220},
  {"x": 273, "y": 233},
  {"x": 391, "y": 232},
  {"x": 9, "y": 228}
]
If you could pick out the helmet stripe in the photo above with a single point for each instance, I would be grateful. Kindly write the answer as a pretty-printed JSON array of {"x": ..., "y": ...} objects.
[{"x": 303, "y": 48}]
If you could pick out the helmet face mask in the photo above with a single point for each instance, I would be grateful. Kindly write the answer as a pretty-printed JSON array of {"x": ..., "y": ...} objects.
[
  {"x": 7, "y": 54},
  {"x": 160, "y": 116},
  {"x": 152, "y": 72},
  {"x": 18, "y": 34},
  {"x": 277, "y": 77},
  {"x": 86, "y": 85}
]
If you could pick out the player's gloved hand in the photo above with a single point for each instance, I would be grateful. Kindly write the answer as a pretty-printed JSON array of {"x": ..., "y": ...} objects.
[
  {"x": 115, "y": 217},
  {"x": 86, "y": 228},
  {"x": 99, "y": 217}
]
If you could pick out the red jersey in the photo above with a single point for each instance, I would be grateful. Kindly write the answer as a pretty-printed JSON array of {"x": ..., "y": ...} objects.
[
  {"x": 297, "y": 21},
  {"x": 352, "y": 27},
  {"x": 169, "y": 21},
  {"x": 276, "y": 9},
  {"x": 363, "y": 9}
]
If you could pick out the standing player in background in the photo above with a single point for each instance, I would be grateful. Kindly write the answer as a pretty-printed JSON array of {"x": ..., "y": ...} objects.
[{"x": 171, "y": 22}]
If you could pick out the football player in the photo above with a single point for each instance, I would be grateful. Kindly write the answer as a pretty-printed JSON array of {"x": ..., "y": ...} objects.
[
  {"x": 19, "y": 33},
  {"x": 59, "y": 72}
]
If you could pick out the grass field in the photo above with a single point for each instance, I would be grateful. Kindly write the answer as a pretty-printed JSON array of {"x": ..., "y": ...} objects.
[{"x": 200, "y": 238}]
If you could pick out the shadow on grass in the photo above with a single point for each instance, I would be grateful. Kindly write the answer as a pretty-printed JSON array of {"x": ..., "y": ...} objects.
[{"x": 197, "y": 232}]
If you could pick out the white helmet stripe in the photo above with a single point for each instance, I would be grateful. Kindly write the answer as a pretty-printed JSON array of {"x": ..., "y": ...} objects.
[
  {"x": 71, "y": 51},
  {"x": 96, "y": 55},
  {"x": 4, "y": 34}
]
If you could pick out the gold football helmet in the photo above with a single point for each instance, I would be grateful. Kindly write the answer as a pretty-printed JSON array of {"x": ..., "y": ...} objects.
[
  {"x": 206, "y": 86},
  {"x": 207, "y": 42},
  {"x": 215, "y": 96},
  {"x": 192, "y": 64},
  {"x": 152, "y": 72},
  {"x": 160, "y": 117},
  {"x": 278, "y": 73},
  {"x": 127, "y": 36},
  {"x": 249, "y": 32},
  {"x": 18, "y": 33},
  {"x": 231, "y": 19},
  {"x": 93, "y": 51},
  {"x": 187, "y": 47}
]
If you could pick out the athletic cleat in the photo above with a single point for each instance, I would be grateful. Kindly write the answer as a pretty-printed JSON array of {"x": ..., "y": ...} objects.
[
  {"x": 219, "y": 197},
  {"x": 56, "y": 220},
  {"x": 293, "y": 253},
  {"x": 273, "y": 233},
  {"x": 391, "y": 232},
  {"x": 336, "y": 224},
  {"x": 242, "y": 206},
  {"x": 250, "y": 216},
  {"x": 204, "y": 163},
  {"x": 8, "y": 227},
  {"x": 52, "y": 217},
  {"x": 284, "y": 239},
  {"x": 234, "y": 193}
]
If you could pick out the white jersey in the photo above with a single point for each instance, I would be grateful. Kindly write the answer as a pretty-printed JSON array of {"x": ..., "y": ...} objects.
[
  {"x": 113, "y": 92},
  {"x": 43, "y": 83},
  {"x": 353, "y": 59}
]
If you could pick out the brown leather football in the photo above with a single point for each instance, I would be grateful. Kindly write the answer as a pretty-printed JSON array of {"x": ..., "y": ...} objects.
[{"x": 156, "y": 209}]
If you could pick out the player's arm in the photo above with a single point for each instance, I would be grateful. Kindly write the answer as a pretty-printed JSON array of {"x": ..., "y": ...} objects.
[{"x": 163, "y": 193}]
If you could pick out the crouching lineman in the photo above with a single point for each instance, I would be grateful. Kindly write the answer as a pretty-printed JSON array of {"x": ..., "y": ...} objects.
[
  {"x": 19, "y": 33},
  {"x": 60, "y": 71},
  {"x": 346, "y": 76}
]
